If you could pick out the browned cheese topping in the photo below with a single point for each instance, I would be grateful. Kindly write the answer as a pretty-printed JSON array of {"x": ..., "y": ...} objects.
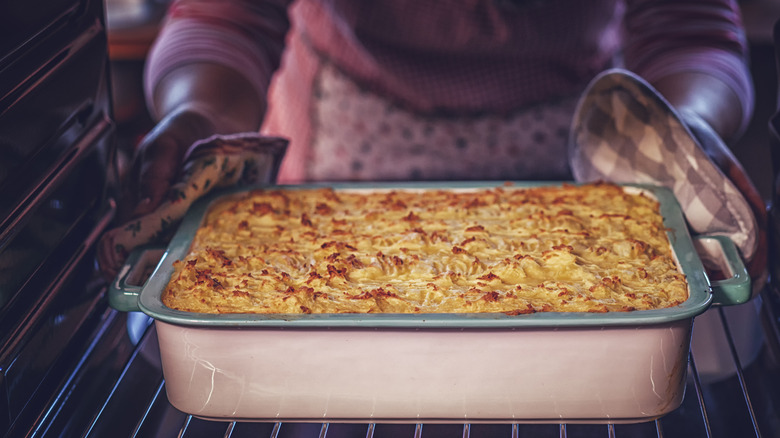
[{"x": 590, "y": 248}]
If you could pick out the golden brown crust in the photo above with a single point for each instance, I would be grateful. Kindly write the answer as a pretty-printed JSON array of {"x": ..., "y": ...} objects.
[{"x": 591, "y": 248}]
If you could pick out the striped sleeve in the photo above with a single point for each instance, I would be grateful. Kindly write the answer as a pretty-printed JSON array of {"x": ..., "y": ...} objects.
[
  {"x": 247, "y": 36},
  {"x": 667, "y": 37}
]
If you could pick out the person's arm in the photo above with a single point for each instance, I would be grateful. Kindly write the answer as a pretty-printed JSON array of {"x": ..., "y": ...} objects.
[
  {"x": 694, "y": 53},
  {"x": 196, "y": 101},
  {"x": 220, "y": 93},
  {"x": 706, "y": 96},
  {"x": 207, "y": 74}
]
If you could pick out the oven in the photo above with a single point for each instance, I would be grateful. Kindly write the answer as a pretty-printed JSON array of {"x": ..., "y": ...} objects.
[{"x": 71, "y": 366}]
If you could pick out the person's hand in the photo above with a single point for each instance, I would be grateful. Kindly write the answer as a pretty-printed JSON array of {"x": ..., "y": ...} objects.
[
  {"x": 158, "y": 160},
  {"x": 713, "y": 113},
  {"x": 724, "y": 158},
  {"x": 194, "y": 101}
]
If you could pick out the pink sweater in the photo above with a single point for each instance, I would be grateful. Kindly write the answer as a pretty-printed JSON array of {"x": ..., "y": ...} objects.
[{"x": 449, "y": 56}]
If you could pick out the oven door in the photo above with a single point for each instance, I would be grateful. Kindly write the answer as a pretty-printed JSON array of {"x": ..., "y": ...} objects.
[{"x": 56, "y": 178}]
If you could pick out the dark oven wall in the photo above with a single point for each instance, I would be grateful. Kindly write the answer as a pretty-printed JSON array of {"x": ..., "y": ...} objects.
[{"x": 56, "y": 182}]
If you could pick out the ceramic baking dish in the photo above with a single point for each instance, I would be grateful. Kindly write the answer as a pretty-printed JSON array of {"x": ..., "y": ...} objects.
[{"x": 541, "y": 367}]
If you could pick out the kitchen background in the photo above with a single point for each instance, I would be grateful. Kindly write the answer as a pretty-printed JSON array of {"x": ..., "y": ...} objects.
[{"x": 132, "y": 25}]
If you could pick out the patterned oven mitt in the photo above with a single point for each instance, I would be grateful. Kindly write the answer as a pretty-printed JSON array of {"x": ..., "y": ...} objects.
[
  {"x": 624, "y": 131},
  {"x": 216, "y": 162}
]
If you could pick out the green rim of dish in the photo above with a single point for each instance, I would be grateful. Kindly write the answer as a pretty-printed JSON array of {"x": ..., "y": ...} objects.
[{"x": 699, "y": 300}]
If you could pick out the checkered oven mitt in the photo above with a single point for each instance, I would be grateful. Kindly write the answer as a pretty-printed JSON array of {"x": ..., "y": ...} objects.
[
  {"x": 216, "y": 162},
  {"x": 624, "y": 131}
]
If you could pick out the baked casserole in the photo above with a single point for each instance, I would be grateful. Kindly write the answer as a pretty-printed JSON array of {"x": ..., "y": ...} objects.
[{"x": 558, "y": 248}]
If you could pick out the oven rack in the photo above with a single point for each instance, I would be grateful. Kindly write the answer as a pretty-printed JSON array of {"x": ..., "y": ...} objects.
[{"x": 744, "y": 404}]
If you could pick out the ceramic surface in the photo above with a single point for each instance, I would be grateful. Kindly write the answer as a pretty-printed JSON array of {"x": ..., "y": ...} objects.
[{"x": 586, "y": 375}]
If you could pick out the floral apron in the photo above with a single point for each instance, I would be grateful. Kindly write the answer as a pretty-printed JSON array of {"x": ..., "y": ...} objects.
[{"x": 358, "y": 135}]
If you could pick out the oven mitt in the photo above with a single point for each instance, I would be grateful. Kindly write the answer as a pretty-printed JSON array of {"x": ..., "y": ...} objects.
[
  {"x": 216, "y": 162},
  {"x": 623, "y": 131}
]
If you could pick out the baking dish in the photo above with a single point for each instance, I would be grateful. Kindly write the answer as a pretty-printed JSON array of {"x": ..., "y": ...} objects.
[{"x": 541, "y": 367}]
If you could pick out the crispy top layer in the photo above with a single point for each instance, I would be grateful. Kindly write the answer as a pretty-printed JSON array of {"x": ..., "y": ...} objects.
[{"x": 589, "y": 248}]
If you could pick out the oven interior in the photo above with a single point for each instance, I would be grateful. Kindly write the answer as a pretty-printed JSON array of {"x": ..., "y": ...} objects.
[{"x": 72, "y": 366}]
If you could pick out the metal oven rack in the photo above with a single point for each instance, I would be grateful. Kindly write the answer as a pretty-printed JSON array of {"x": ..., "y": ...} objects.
[{"x": 117, "y": 390}]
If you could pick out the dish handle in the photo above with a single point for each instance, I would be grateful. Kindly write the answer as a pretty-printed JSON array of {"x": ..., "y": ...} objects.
[
  {"x": 729, "y": 278},
  {"x": 125, "y": 290}
]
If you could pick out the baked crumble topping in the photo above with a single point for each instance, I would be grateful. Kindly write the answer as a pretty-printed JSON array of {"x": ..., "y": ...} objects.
[{"x": 569, "y": 248}]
